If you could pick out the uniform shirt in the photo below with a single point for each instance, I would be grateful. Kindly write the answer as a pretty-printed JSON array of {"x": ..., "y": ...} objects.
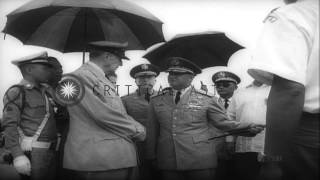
[
  {"x": 182, "y": 91},
  {"x": 137, "y": 107},
  {"x": 177, "y": 134},
  {"x": 249, "y": 105},
  {"x": 289, "y": 48},
  {"x": 29, "y": 119}
]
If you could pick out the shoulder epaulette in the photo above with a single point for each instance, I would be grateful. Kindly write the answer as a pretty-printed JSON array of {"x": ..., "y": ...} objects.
[
  {"x": 162, "y": 92},
  {"x": 13, "y": 93},
  {"x": 202, "y": 92}
]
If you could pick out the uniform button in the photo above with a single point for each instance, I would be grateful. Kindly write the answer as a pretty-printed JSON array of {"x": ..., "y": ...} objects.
[
  {"x": 174, "y": 126},
  {"x": 174, "y": 117},
  {"x": 174, "y": 134}
]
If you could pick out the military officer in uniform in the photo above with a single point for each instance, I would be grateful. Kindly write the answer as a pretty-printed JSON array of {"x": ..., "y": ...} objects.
[
  {"x": 137, "y": 104},
  {"x": 28, "y": 121},
  {"x": 100, "y": 141},
  {"x": 225, "y": 83},
  {"x": 178, "y": 125}
]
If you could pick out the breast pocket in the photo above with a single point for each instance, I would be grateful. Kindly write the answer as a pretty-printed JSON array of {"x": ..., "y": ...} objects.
[
  {"x": 195, "y": 113},
  {"x": 35, "y": 107},
  {"x": 163, "y": 114}
]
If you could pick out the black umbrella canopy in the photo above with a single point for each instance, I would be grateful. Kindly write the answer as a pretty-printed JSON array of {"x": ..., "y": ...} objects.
[
  {"x": 204, "y": 49},
  {"x": 68, "y": 25}
]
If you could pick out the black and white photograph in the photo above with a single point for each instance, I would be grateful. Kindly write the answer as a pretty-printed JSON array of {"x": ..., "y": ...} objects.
[{"x": 159, "y": 89}]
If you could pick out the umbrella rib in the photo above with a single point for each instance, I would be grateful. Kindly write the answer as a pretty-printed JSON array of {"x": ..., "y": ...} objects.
[{"x": 117, "y": 17}]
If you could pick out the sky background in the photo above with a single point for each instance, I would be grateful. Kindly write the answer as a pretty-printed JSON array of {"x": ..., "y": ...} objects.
[{"x": 241, "y": 20}]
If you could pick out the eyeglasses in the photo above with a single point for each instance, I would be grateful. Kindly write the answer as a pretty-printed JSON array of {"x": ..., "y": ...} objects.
[
  {"x": 223, "y": 84},
  {"x": 178, "y": 73}
]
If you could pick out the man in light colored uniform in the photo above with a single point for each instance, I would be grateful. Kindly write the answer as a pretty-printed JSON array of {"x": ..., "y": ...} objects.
[
  {"x": 287, "y": 57},
  {"x": 100, "y": 141}
]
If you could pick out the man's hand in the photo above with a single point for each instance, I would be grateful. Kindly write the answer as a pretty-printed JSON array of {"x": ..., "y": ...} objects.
[
  {"x": 256, "y": 128},
  {"x": 140, "y": 135},
  {"x": 253, "y": 130},
  {"x": 26, "y": 143},
  {"x": 22, "y": 165}
]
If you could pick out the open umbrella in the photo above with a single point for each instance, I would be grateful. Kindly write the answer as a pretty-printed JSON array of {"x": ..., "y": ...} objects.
[
  {"x": 204, "y": 49},
  {"x": 68, "y": 25}
]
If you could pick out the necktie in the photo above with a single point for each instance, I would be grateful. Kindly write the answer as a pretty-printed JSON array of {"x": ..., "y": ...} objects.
[
  {"x": 147, "y": 97},
  {"x": 226, "y": 103},
  {"x": 177, "y": 99}
]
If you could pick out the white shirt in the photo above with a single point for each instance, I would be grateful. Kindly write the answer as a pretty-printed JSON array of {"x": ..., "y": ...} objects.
[
  {"x": 289, "y": 48},
  {"x": 250, "y": 105}
]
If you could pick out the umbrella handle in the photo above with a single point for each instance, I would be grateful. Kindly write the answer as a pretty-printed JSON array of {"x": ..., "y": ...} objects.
[{"x": 83, "y": 57}]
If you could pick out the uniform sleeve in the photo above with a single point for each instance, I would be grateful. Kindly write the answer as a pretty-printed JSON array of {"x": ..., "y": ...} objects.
[
  {"x": 217, "y": 117},
  {"x": 106, "y": 116},
  {"x": 124, "y": 102},
  {"x": 12, "y": 102},
  {"x": 281, "y": 50},
  {"x": 152, "y": 133}
]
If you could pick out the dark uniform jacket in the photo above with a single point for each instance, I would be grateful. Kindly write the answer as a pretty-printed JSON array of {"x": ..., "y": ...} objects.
[
  {"x": 178, "y": 134},
  {"x": 28, "y": 118},
  {"x": 137, "y": 107}
]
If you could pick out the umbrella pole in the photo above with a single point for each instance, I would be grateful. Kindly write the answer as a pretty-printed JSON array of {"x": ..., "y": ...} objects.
[
  {"x": 85, "y": 35},
  {"x": 83, "y": 57}
]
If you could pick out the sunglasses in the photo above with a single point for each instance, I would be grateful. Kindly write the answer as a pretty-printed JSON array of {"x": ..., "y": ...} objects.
[
  {"x": 223, "y": 84},
  {"x": 178, "y": 73}
]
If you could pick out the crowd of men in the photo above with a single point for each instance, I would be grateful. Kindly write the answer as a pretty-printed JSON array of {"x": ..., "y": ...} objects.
[{"x": 181, "y": 132}]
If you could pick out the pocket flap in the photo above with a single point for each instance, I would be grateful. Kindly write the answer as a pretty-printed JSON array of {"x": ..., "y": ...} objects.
[
  {"x": 201, "y": 138},
  {"x": 102, "y": 138}
]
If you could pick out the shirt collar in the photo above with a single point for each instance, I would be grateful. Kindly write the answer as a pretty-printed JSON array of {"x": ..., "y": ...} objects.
[{"x": 183, "y": 91}]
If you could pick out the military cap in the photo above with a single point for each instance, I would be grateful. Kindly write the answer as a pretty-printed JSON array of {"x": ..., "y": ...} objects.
[
  {"x": 179, "y": 64},
  {"x": 115, "y": 48},
  {"x": 144, "y": 69},
  {"x": 225, "y": 76},
  {"x": 54, "y": 62},
  {"x": 38, "y": 58}
]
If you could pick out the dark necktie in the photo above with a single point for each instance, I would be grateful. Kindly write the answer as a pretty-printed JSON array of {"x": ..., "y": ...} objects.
[
  {"x": 177, "y": 99},
  {"x": 226, "y": 103},
  {"x": 147, "y": 97}
]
